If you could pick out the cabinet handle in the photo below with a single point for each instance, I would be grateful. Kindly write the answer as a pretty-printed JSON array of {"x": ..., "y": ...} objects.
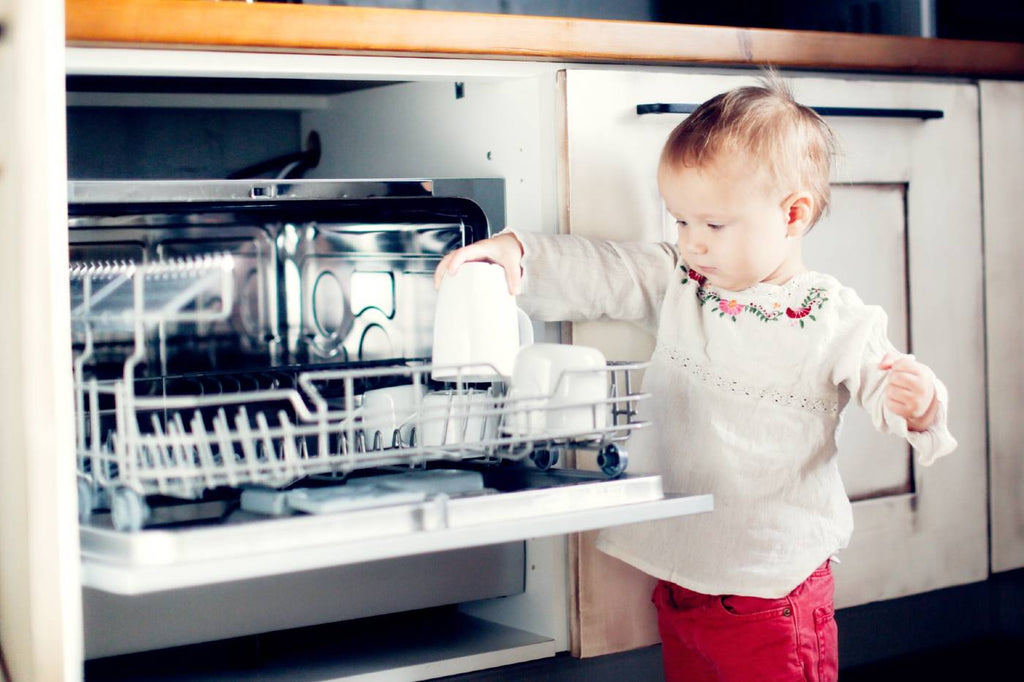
[{"x": 667, "y": 108}]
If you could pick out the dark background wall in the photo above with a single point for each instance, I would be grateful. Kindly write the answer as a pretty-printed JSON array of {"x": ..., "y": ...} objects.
[
  {"x": 124, "y": 143},
  {"x": 965, "y": 19},
  {"x": 962, "y": 19}
]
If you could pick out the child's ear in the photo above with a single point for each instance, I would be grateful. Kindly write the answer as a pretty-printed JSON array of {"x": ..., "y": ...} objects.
[{"x": 799, "y": 209}]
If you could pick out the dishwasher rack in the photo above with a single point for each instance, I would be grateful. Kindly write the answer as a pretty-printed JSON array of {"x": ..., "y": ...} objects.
[{"x": 183, "y": 436}]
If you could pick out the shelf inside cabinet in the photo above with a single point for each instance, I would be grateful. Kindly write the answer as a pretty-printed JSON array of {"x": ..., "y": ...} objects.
[{"x": 408, "y": 646}]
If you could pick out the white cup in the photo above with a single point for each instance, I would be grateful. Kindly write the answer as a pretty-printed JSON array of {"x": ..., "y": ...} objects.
[
  {"x": 457, "y": 418},
  {"x": 387, "y": 410},
  {"x": 557, "y": 390},
  {"x": 477, "y": 327}
]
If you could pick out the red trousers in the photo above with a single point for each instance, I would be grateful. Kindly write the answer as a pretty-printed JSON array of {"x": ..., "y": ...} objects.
[{"x": 716, "y": 638}]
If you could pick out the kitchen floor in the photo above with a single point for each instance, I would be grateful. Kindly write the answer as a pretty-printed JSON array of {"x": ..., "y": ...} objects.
[{"x": 982, "y": 659}]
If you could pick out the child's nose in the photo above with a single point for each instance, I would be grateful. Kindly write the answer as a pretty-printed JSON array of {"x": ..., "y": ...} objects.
[{"x": 694, "y": 244}]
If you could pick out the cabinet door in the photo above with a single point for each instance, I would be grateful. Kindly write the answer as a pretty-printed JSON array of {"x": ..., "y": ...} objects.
[
  {"x": 1002, "y": 144},
  {"x": 904, "y": 231},
  {"x": 40, "y": 606}
]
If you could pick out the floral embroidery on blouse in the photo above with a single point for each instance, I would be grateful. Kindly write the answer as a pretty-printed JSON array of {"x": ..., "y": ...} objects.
[{"x": 814, "y": 300}]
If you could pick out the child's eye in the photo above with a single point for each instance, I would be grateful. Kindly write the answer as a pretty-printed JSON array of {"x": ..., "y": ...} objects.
[
  {"x": 681, "y": 223},
  {"x": 715, "y": 226}
]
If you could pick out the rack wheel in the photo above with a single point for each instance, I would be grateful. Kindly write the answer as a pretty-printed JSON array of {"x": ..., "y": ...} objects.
[
  {"x": 545, "y": 458},
  {"x": 128, "y": 510},
  {"x": 613, "y": 460},
  {"x": 86, "y": 500}
]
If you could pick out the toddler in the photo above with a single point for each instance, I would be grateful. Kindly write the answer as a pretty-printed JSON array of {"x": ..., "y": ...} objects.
[{"x": 756, "y": 358}]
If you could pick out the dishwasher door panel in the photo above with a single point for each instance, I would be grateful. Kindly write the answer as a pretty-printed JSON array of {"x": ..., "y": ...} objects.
[{"x": 535, "y": 504}]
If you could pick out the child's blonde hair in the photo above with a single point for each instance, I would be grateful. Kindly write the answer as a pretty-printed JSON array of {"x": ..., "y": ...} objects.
[{"x": 793, "y": 142}]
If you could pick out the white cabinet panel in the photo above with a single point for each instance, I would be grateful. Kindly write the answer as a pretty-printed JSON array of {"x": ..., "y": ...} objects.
[
  {"x": 1002, "y": 143},
  {"x": 905, "y": 231},
  {"x": 40, "y": 606},
  {"x": 862, "y": 241},
  {"x": 495, "y": 128}
]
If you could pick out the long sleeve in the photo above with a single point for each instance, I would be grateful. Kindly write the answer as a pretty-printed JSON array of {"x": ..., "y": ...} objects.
[
  {"x": 567, "y": 277},
  {"x": 857, "y": 368}
]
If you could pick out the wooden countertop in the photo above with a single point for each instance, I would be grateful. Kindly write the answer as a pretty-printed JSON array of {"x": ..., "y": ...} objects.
[{"x": 212, "y": 24}]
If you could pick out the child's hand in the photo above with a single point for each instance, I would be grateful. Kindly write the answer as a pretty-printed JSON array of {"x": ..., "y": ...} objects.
[
  {"x": 910, "y": 392},
  {"x": 504, "y": 249}
]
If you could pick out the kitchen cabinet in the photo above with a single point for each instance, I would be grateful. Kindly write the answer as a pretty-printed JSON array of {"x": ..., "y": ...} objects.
[
  {"x": 904, "y": 231},
  {"x": 1002, "y": 144}
]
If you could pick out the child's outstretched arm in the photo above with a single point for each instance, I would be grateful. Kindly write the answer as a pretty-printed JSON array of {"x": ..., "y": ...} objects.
[
  {"x": 558, "y": 277},
  {"x": 910, "y": 391},
  {"x": 504, "y": 249}
]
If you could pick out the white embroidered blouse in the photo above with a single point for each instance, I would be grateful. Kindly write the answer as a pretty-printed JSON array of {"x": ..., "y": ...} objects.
[{"x": 747, "y": 392}]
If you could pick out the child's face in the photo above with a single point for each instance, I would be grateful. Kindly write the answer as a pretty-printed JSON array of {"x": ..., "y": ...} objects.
[{"x": 735, "y": 227}]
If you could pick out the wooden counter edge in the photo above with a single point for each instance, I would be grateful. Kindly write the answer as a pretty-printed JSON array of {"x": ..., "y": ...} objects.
[{"x": 209, "y": 24}]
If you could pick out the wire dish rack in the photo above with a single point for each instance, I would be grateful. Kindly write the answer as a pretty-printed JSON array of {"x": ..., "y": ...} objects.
[{"x": 183, "y": 436}]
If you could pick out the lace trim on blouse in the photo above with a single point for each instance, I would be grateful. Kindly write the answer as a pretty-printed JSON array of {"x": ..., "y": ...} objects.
[{"x": 711, "y": 378}]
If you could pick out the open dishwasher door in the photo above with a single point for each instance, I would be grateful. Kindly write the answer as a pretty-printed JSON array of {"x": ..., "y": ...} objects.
[{"x": 523, "y": 504}]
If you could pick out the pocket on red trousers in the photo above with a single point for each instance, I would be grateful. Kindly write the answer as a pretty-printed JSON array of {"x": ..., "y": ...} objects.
[{"x": 827, "y": 633}]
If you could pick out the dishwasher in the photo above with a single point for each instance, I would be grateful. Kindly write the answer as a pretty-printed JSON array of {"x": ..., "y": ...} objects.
[{"x": 227, "y": 338}]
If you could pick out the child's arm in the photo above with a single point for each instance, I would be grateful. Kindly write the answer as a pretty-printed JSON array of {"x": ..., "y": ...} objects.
[
  {"x": 910, "y": 392},
  {"x": 568, "y": 277},
  {"x": 504, "y": 249},
  {"x": 901, "y": 396}
]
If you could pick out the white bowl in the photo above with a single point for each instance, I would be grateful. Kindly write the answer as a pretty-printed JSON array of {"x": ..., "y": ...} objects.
[{"x": 558, "y": 390}]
